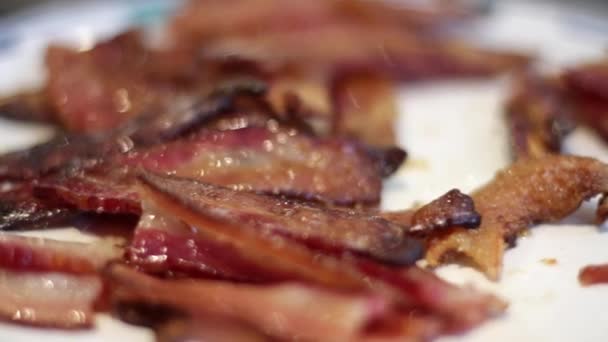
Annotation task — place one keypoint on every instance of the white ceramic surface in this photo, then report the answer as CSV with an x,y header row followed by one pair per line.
x,y
456,139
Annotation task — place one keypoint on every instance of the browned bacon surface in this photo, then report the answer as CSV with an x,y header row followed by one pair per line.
x,y
593,274
270,257
365,107
208,329
330,228
529,192
281,162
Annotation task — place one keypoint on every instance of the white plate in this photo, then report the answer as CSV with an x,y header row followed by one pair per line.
x,y
456,138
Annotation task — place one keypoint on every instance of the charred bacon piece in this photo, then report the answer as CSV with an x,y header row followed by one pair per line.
x,y
20,209
587,88
330,228
529,192
306,312
19,253
48,299
538,115
216,248
593,274
451,209
365,107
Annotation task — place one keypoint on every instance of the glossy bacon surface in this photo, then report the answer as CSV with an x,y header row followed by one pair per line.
x,y
29,254
20,209
281,162
184,249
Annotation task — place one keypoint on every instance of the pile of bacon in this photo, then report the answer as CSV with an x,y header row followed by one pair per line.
x,y
239,169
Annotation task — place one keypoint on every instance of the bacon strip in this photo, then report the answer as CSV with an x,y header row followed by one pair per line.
x,y
252,158
281,163
330,228
593,274
19,253
215,248
529,192
48,299
290,310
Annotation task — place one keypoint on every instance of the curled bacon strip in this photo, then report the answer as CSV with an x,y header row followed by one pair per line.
x,y
304,312
529,192
220,248
252,158
329,228
587,88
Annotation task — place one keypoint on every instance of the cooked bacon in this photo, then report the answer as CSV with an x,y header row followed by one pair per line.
x,y
401,55
282,162
27,106
19,253
529,192
219,249
587,88
268,160
365,108
329,228
290,310
593,274
48,299
451,209
61,152
91,193
538,115
20,209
